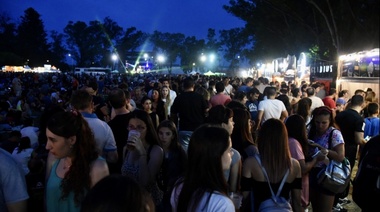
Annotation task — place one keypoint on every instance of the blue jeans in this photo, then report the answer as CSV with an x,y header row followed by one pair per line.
x,y
184,138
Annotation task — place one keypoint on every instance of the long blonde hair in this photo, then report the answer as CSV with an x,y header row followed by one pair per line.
x,y
273,146
167,101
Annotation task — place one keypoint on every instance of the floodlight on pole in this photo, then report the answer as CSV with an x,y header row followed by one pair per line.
x,y
203,58
114,59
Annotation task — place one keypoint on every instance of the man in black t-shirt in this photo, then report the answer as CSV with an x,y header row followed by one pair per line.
x,y
189,108
119,125
351,124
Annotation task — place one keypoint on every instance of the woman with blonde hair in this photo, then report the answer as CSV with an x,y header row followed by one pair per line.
x,y
274,154
165,96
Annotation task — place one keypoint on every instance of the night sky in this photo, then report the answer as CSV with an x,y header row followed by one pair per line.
x,y
190,17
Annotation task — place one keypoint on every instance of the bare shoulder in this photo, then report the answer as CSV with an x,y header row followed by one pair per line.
x,y
99,170
296,167
251,163
99,164
156,149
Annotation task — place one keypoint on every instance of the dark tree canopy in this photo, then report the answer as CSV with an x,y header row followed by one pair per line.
x,y
273,28
32,45
282,27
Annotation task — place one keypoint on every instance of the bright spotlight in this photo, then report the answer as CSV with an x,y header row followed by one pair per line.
x,y
212,58
160,58
203,58
114,57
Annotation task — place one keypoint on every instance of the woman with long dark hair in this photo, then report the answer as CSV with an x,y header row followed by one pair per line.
x,y
143,155
241,136
321,126
223,116
299,149
175,160
203,187
158,105
303,109
73,164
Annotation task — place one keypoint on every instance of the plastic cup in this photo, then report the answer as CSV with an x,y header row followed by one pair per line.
x,y
131,134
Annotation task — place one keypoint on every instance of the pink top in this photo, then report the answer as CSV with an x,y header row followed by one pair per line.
x,y
297,153
220,99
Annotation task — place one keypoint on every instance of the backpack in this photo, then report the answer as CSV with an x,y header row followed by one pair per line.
x,y
366,185
276,203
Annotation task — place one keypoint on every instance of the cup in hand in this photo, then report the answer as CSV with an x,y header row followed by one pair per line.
x,y
132,138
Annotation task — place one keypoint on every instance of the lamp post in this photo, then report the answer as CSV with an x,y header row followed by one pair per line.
x,y
160,60
203,59
146,61
114,59
72,62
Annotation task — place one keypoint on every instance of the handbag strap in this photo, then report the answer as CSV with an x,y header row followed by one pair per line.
x,y
330,138
266,176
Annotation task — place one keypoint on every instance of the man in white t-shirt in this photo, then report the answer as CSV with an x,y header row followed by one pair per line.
x,y
14,194
271,108
315,100
228,89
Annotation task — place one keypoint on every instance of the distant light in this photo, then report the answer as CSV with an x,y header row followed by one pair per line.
x,y
203,58
114,57
161,58
212,57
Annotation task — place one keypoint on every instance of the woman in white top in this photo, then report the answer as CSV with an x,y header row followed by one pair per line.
x,y
165,96
23,153
203,187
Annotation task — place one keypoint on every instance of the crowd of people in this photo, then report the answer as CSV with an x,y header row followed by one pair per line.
x,y
174,143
